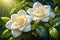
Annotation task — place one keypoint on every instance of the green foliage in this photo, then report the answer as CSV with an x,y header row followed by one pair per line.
x,y
51,20
24,36
56,9
6,33
41,31
53,32
1,21
56,1
5,19
56,21
17,7
35,24
47,25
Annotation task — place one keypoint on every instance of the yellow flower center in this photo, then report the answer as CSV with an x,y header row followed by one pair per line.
x,y
40,12
20,21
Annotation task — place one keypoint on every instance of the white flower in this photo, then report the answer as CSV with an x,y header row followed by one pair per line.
x,y
41,12
19,23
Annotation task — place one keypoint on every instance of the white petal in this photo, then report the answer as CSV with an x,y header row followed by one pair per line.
x,y
36,5
52,14
8,24
14,27
27,28
30,11
35,18
45,19
48,7
16,33
29,19
21,12
22,28
13,16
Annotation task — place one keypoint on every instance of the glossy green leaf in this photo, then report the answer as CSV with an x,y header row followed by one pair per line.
x,y
56,21
51,20
11,38
56,9
41,31
6,33
5,19
53,32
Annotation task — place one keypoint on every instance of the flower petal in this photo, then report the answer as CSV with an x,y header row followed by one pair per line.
x,y
8,24
22,28
27,28
52,14
30,11
48,7
13,16
35,18
45,19
29,19
36,5
13,26
16,33
21,12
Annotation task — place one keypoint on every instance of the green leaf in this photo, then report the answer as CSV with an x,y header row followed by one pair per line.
x,y
18,38
56,1
6,33
57,12
30,3
56,9
34,33
36,23
11,38
56,20
53,32
51,20
1,21
41,31
17,7
13,10
5,19
47,25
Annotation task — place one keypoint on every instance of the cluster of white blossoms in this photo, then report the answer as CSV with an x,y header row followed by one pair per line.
x,y
21,22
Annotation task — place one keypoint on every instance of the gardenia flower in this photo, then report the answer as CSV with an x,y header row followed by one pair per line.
x,y
19,23
41,12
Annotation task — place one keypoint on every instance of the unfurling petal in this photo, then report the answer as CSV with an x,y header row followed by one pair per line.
x,y
48,7
36,5
52,14
29,19
21,12
45,19
8,24
30,11
13,16
22,28
28,28
16,33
